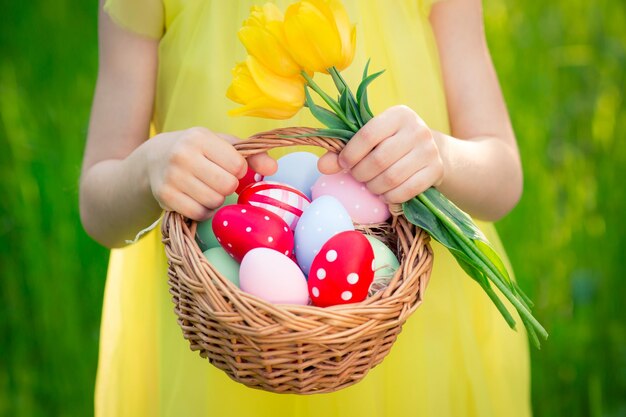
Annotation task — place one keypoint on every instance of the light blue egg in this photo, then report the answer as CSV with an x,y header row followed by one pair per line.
x,y
298,169
323,219
204,233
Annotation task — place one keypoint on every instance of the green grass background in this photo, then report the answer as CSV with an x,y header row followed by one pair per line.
x,y
562,66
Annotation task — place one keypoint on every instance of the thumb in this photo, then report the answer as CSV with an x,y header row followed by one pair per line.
x,y
263,164
328,164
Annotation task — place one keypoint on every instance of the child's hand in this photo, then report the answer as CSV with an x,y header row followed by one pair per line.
x,y
395,154
191,171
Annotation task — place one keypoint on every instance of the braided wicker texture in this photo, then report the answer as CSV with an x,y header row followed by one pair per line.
x,y
288,348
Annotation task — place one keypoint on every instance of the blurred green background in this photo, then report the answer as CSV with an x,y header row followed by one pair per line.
x,y
562,66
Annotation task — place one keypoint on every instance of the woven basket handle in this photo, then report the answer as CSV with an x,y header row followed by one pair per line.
x,y
278,138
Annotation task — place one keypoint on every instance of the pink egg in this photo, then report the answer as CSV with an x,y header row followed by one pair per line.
x,y
273,277
281,199
363,206
240,228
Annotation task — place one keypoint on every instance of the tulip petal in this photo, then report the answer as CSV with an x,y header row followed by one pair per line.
x,y
319,34
263,36
336,13
266,108
272,13
243,89
288,90
348,51
261,43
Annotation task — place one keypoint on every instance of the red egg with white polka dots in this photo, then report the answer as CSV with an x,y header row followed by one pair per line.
x,y
251,177
240,228
342,271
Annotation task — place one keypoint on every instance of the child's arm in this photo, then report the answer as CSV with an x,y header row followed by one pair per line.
x,y
126,181
479,168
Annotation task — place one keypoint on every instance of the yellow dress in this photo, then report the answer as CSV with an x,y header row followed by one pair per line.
x,y
455,356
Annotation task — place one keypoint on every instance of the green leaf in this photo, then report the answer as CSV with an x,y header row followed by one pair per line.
x,y
344,102
469,229
529,303
342,134
354,109
476,272
485,247
462,219
361,95
325,116
532,334
339,82
366,112
367,66
417,213
365,83
459,237
351,106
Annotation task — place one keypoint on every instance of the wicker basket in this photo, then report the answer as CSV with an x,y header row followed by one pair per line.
x,y
288,348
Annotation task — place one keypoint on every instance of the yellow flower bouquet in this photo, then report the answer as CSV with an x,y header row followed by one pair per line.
x,y
316,36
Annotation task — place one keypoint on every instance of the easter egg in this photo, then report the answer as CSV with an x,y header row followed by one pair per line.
x,y
342,271
223,263
364,206
250,178
297,169
281,199
273,277
240,228
385,263
323,219
204,232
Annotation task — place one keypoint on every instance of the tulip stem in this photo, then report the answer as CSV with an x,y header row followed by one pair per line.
x,y
331,103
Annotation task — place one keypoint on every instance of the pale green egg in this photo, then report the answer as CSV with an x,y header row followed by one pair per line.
x,y
385,262
204,233
223,263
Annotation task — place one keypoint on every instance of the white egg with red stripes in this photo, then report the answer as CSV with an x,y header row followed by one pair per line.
x,y
281,199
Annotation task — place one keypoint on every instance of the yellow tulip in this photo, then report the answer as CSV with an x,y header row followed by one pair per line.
x,y
264,38
319,34
264,93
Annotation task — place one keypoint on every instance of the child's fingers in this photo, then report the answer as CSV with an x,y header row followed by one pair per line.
x,y
213,175
414,185
328,164
385,155
220,151
396,174
181,203
202,193
369,136
263,164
